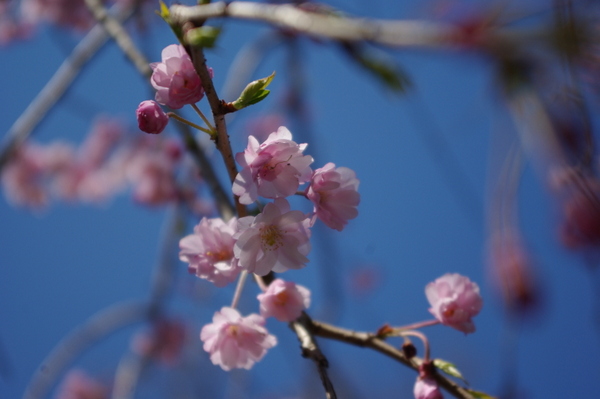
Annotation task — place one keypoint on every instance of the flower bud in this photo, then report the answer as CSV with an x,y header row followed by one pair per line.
x,y
151,118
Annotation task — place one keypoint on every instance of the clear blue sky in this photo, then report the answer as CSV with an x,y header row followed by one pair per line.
x,y
416,222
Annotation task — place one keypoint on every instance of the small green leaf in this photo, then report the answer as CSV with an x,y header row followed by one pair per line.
x,y
254,92
204,36
449,369
164,11
480,395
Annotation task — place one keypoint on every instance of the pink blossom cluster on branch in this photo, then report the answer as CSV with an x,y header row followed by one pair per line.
x,y
106,163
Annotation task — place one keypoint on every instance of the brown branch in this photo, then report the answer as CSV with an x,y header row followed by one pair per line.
x,y
218,110
123,40
370,340
310,349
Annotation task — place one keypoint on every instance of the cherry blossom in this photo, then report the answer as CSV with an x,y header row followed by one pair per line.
x,y
454,299
151,117
164,342
284,300
272,169
209,251
175,79
334,193
277,239
234,341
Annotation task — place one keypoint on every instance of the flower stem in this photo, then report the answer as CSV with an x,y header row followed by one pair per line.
x,y
414,326
183,120
239,288
204,118
423,338
261,283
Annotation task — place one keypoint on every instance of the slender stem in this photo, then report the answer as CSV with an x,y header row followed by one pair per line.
x,y
203,117
423,338
261,283
216,105
415,326
239,288
192,124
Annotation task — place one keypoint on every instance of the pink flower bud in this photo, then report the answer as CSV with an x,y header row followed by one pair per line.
x,y
427,388
454,300
151,118
284,300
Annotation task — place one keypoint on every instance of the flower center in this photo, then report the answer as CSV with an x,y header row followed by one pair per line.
x,y
219,256
271,237
233,330
281,298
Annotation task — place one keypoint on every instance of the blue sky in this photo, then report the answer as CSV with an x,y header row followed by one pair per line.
x,y
423,158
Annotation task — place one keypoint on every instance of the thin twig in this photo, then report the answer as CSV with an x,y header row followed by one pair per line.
x,y
97,327
57,85
216,106
123,40
393,33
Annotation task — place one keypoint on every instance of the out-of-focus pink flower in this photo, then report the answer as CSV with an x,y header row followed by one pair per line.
x,y
262,126
175,79
334,192
454,300
427,388
151,117
511,270
78,385
164,342
284,300
581,210
277,239
100,142
272,169
23,177
69,13
151,171
234,341
209,251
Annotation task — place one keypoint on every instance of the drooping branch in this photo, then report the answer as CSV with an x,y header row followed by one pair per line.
x,y
123,40
392,33
57,85
73,345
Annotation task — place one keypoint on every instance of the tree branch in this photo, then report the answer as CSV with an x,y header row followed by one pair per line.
x,y
370,340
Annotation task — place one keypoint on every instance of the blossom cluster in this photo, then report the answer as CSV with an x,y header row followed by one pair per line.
x,y
107,162
275,240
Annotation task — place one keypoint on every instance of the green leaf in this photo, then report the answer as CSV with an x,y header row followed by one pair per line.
x,y
254,92
449,369
204,36
479,394
164,11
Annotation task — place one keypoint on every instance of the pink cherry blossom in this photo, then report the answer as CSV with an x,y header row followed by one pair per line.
x,y
78,385
24,176
151,117
454,299
234,341
164,342
284,300
277,239
209,251
175,79
272,169
427,388
334,192
69,13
